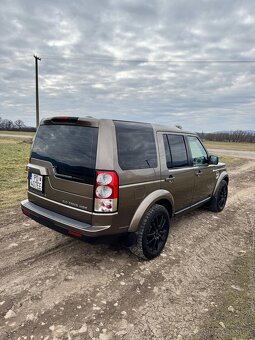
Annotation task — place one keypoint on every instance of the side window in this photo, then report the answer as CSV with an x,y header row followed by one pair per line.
x,y
198,153
178,150
167,152
136,146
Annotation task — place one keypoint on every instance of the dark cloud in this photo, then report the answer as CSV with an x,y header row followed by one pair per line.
x,y
78,76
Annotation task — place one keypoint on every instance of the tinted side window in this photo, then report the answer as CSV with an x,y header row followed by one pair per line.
x,y
199,155
136,146
178,150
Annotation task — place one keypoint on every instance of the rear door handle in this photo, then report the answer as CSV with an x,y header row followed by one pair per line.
x,y
199,173
170,178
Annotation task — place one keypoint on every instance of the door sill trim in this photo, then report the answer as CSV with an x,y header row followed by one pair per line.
x,y
193,206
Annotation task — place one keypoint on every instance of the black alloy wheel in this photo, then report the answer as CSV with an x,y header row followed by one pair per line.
x,y
152,235
222,196
157,233
219,199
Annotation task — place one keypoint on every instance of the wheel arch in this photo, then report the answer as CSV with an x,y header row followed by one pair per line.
x,y
167,204
161,197
223,176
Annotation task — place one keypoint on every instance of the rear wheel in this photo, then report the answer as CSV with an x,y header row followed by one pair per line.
x,y
219,200
152,234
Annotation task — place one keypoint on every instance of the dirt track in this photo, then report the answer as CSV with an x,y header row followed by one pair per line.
x,y
15,136
233,153
55,287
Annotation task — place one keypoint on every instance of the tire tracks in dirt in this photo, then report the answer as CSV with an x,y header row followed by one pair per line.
x,y
64,282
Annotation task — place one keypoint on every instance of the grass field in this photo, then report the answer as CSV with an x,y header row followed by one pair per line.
x,y
4,132
230,146
13,159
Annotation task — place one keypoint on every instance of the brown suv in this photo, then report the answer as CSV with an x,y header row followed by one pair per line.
x,y
89,178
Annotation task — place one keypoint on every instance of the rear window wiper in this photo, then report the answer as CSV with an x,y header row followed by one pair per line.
x,y
146,160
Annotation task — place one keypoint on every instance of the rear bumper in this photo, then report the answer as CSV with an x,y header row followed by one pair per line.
x,y
60,223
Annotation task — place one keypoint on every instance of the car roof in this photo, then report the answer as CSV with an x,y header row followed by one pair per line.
x,y
156,127
166,128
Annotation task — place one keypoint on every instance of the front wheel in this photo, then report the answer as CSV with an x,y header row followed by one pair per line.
x,y
219,199
152,234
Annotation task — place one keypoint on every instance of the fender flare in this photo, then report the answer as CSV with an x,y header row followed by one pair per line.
x,y
146,204
222,176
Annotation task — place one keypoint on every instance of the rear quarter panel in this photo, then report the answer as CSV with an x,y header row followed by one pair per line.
x,y
134,185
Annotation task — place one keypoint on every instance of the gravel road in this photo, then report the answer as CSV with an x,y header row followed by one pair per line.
x,y
55,287
233,153
15,136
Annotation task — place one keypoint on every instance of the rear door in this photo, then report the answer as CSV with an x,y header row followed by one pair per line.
x,y
204,174
177,175
67,152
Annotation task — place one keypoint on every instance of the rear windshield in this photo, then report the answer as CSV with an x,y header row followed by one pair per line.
x,y
136,146
70,149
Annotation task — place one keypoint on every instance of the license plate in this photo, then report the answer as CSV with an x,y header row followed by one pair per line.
x,y
36,181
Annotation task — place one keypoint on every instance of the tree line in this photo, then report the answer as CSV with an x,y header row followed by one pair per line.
x,y
17,125
238,136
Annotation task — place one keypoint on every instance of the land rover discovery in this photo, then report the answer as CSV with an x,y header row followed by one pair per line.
x,y
91,178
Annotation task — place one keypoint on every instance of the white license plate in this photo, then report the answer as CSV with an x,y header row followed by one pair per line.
x,y
36,181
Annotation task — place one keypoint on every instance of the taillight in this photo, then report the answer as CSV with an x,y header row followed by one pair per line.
x,y
106,191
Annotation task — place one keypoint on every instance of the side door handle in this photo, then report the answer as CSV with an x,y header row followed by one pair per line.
x,y
199,173
170,178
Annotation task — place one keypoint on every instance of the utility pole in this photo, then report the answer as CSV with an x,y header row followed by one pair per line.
x,y
36,90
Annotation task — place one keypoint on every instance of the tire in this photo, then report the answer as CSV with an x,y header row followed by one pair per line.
x,y
152,234
219,200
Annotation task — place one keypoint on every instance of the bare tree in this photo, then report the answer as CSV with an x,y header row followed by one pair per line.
x,y
238,136
7,124
19,124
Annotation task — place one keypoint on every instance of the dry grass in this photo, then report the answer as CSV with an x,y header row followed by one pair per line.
x,y
230,146
14,156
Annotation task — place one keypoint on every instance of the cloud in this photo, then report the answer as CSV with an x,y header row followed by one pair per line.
x,y
79,43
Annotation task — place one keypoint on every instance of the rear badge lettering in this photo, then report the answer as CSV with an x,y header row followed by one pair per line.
x,y
75,205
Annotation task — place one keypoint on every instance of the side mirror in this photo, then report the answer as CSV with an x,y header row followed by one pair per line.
x,y
213,159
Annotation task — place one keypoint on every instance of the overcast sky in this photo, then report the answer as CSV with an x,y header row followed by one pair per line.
x,y
86,48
